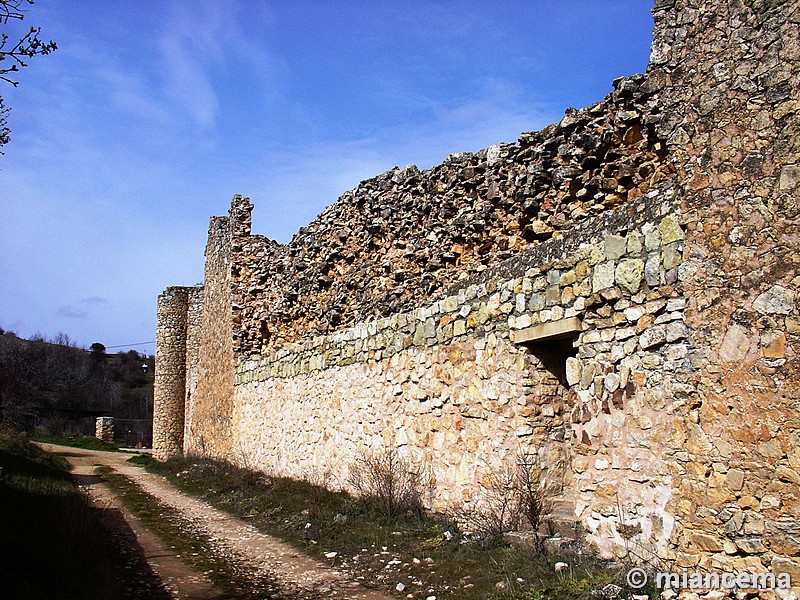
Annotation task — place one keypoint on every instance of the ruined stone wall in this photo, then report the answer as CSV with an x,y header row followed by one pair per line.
x,y
212,402
408,234
169,393
467,384
617,294
730,75
104,429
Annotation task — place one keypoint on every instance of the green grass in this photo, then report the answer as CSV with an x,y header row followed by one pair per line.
x,y
447,564
193,546
73,441
143,460
53,545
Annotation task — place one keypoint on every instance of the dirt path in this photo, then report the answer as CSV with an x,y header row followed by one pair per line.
x,y
176,578
250,547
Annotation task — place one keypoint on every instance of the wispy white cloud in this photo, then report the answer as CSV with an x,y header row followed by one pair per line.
x,y
193,52
185,79
129,93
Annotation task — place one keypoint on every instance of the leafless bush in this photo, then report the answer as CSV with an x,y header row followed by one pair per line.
x,y
536,496
497,512
321,483
388,482
251,475
323,480
515,494
197,449
243,457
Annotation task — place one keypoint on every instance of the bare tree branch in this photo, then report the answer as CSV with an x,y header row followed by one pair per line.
x,y
15,58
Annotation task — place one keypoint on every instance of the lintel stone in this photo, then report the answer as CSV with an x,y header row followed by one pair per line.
x,y
547,331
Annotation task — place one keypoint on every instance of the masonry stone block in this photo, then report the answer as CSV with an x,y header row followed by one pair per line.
x,y
603,276
615,247
628,274
777,300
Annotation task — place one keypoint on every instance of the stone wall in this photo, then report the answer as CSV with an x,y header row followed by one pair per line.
x,y
104,429
470,382
616,294
194,338
731,82
213,397
364,255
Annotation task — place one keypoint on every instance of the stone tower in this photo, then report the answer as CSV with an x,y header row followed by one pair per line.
x,y
170,382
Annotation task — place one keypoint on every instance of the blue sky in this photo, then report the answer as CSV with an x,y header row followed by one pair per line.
x,y
152,114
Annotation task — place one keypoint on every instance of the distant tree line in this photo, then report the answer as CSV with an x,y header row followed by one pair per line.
x,y
53,384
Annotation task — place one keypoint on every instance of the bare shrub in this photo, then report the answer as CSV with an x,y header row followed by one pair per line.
x,y
388,482
323,480
321,484
497,512
536,496
251,474
197,449
516,494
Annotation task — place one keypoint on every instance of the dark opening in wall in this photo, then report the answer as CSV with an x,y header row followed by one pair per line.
x,y
552,343
553,354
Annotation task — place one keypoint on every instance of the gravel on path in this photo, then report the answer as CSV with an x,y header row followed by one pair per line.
x,y
264,554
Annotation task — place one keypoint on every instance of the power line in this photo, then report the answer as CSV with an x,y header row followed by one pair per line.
x,y
126,345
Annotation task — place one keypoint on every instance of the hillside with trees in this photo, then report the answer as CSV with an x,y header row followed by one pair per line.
x,y
56,387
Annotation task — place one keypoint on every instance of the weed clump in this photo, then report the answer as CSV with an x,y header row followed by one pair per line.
x,y
73,441
143,460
